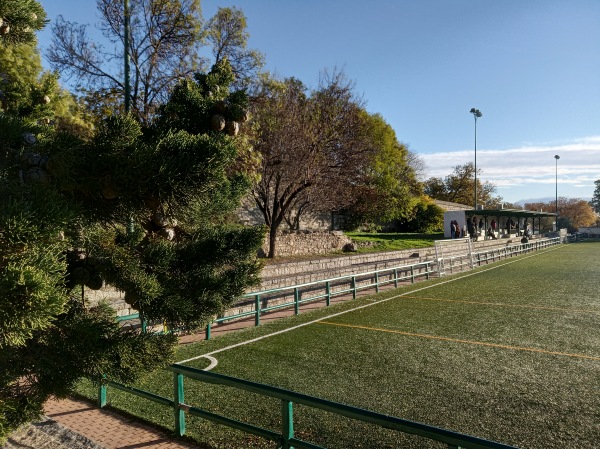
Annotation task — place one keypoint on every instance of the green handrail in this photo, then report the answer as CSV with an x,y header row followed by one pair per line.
x,y
425,268
285,437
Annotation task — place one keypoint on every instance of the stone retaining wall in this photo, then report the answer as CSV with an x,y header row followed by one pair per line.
x,y
114,297
300,243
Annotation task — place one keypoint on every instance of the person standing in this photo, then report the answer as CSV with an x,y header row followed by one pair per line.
x,y
471,226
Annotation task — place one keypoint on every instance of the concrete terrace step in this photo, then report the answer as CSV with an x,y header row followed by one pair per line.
x,y
281,274
298,272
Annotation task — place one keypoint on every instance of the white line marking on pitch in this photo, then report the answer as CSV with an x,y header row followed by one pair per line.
x,y
254,340
213,362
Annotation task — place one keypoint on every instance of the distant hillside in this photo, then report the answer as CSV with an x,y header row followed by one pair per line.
x,y
548,199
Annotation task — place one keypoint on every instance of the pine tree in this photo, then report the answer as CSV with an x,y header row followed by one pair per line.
x,y
144,208
19,20
29,92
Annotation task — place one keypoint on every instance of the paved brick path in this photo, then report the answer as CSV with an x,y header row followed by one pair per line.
x,y
109,429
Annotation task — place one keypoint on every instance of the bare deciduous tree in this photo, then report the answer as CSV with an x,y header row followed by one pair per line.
x,y
164,39
163,43
313,149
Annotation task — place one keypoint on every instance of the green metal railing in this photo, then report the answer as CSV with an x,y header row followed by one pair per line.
x,y
463,262
329,288
326,289
285,436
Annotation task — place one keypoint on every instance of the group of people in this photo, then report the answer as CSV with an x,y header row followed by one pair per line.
x,y
454,230
474,228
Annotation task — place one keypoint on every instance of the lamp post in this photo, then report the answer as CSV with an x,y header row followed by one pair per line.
x,y
557,157
126,23
476,113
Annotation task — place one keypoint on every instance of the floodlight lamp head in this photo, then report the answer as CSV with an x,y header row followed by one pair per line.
x,y
476,112
557,157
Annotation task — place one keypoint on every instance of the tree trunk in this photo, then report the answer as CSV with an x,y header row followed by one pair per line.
x,y
272,237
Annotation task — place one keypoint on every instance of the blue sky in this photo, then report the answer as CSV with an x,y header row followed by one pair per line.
x,y
531,66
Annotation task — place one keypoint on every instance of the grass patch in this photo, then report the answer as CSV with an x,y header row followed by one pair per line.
x,y
381,358
393,241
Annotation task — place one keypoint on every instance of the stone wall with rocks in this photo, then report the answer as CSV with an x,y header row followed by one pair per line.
x,y
300,243
112,296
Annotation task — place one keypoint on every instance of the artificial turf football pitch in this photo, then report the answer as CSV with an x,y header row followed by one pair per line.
x,y
509,352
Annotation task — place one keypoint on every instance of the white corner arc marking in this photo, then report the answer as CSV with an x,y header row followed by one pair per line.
x,y
213,362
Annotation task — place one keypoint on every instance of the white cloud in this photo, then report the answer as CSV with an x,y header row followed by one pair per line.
x,y
531,166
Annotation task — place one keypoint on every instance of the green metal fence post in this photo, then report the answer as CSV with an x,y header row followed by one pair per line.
x,y
257,307
296,300
353,286
102,394
178,400
208,331
396,277
412,274
287,421
377,282
328,292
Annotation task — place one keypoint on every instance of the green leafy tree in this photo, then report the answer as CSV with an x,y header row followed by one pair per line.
x,y
143,208
596,197
459,187
227,34
426,217
389,190
27,91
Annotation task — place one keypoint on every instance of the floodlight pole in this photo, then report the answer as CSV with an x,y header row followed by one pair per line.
x,y
557,157
126,23
126,54
476,113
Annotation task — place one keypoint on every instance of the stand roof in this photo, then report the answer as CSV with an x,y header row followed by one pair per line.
x,y
517,213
